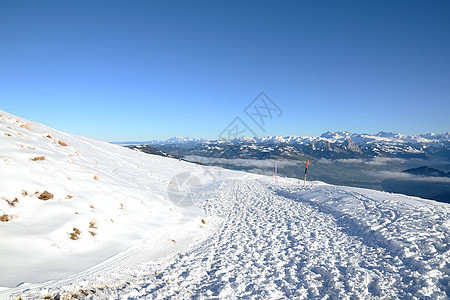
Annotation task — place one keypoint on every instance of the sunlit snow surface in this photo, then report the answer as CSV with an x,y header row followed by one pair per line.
x,y
244,238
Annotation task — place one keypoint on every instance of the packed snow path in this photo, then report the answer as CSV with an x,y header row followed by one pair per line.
x,y
280,242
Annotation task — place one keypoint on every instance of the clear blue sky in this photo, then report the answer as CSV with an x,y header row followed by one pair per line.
x,y
140,70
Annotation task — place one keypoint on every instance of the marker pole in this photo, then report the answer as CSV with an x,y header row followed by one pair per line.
x,y
306,170
276,173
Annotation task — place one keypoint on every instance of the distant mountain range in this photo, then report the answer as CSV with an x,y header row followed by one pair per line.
x,y
329,136
330,145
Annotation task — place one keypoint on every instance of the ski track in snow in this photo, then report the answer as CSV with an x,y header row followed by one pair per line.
x,y
293,242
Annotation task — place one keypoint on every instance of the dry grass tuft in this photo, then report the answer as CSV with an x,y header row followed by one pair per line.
x,y
69,197
38,158
12,203
61,143
75,235
5,218
203,221
45,196
68,296
92,206
92,225
27,126
102,286
24,193
8,134
92,233
49,136
95,177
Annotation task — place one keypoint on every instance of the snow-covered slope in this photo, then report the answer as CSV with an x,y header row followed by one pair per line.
x,y
245,237
100,200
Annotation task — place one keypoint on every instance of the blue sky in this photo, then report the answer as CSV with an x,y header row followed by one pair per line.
x,y
141,70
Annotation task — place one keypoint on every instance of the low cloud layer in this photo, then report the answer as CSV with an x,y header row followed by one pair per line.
x,y
406,176
248,163
376,161
379,161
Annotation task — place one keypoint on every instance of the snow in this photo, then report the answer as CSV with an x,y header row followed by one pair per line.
x,y
244,237
113,195
389,138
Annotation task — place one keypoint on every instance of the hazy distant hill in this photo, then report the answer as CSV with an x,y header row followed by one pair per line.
x,y
426,171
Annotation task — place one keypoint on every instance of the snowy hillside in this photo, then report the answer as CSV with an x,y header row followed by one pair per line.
x,y
108,228
68,203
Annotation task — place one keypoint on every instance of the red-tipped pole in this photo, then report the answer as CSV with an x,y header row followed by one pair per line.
x,y
306,170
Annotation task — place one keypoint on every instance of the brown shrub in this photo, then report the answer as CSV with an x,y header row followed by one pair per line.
x,y
203,221
45,196
5,218
69,197
38,158
92,233
92,225
75,235
7,134
95,177
61,143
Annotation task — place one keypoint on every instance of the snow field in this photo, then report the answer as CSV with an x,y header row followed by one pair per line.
x,y
279,242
